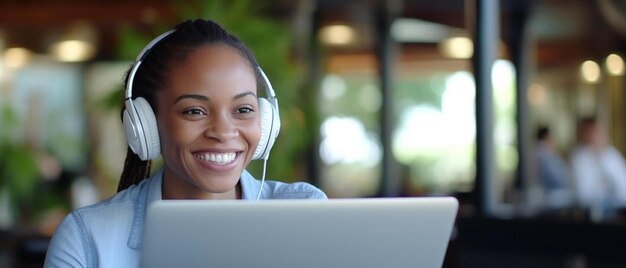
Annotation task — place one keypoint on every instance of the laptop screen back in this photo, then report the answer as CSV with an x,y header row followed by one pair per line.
x,y
374,232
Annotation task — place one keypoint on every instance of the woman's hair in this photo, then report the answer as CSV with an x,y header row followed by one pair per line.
x,y
155,68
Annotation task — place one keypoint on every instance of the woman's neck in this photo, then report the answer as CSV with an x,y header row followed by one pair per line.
x,y
173,188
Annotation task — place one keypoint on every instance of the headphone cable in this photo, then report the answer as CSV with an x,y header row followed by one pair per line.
x,y
258,197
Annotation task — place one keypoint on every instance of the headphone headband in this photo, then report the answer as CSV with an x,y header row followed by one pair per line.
x,y
269,90
140,57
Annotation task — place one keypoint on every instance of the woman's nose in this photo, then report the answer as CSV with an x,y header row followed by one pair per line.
x,y
221,128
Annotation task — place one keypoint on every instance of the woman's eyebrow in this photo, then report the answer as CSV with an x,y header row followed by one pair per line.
x,y
192,96
241,95
205,98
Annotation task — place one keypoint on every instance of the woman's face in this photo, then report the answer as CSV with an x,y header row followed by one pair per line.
x,y
208,121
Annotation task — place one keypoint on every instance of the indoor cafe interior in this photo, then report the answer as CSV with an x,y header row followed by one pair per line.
x,y
487,101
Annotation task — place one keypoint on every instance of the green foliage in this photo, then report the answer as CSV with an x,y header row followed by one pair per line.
x,y
18,168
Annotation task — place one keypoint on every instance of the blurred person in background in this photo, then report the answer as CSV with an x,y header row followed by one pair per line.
x,y
552,171
191,98
599,172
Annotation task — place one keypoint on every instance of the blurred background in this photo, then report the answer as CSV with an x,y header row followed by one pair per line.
x,y
478,99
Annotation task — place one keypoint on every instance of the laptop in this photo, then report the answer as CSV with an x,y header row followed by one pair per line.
x,y
368,232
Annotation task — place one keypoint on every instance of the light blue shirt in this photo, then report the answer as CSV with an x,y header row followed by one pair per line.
x,y
109,233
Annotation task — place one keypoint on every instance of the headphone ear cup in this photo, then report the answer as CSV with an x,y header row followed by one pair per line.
x,y
270,126
142,134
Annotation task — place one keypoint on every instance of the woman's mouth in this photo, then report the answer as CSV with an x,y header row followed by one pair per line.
x,y
217,158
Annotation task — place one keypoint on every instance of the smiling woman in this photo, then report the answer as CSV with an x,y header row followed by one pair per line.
x,y
191,98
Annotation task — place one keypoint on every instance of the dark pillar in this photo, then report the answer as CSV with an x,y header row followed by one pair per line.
x,y
390,180
519,42
485,53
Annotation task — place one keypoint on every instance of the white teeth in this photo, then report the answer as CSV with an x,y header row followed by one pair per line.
x,y
224,158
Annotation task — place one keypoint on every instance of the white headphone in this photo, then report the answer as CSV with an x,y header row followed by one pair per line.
x,y
140,125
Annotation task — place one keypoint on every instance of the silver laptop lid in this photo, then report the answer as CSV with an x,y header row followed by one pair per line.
x,y
376,232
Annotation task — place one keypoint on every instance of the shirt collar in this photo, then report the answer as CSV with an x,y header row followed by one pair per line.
x,y
249,186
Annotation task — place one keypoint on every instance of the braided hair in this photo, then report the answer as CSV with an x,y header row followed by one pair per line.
x,y
173,49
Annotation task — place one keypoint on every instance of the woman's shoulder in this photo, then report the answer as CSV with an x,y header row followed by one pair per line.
x,y
295,190
87,228
102,225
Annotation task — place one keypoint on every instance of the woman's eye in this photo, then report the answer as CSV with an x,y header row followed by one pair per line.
x,y
244,110
193,112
